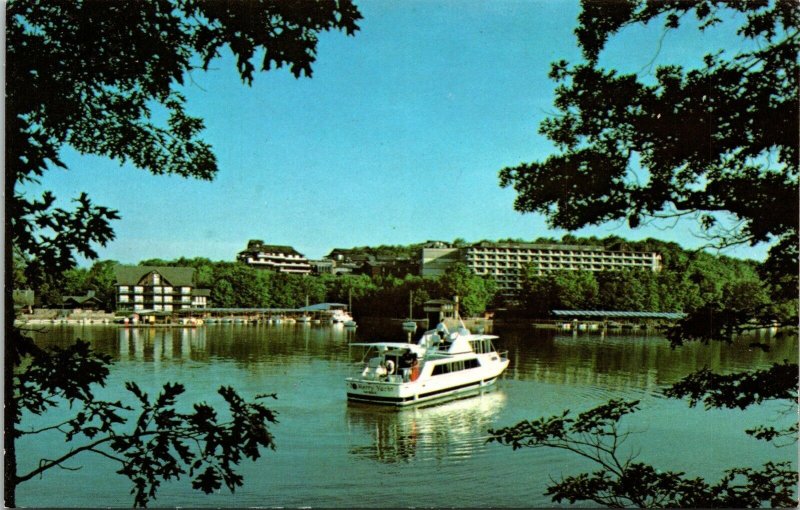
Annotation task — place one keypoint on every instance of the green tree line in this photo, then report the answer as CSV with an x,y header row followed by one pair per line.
x,y
688,281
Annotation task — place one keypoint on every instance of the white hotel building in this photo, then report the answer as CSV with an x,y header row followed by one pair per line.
x,y
506,262
281,259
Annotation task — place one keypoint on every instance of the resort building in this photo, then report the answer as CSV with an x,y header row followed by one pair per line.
x,y
154,288
506,263
200,298
281,259
375,262
87,302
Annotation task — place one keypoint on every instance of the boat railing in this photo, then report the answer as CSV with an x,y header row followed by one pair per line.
x,y
503,354
379,374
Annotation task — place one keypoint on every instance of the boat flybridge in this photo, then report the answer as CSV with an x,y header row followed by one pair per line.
x,y
442,364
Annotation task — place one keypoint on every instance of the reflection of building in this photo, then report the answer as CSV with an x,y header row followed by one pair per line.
x,y
282,259
167,289
506,263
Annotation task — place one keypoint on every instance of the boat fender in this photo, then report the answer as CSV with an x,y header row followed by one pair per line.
x,y
389,367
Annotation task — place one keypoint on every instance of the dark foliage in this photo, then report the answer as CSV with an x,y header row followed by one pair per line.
x,y
99,77
163,443
622,482
719,138
711,142
90,73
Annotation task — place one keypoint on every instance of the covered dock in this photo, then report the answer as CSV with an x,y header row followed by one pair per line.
x,y
612,319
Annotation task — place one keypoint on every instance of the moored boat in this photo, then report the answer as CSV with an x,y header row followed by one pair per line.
x,y
442,364
340,317
410,324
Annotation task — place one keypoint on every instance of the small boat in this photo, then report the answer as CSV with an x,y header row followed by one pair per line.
x,y
304,319
442,364
349,323
340,316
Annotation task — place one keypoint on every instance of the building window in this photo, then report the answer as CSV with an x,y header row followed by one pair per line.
x,y
138,289
123,288
167,290
124,299
186,290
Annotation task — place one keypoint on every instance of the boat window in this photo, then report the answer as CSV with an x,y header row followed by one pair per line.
x,y
455,366
472,363
482,346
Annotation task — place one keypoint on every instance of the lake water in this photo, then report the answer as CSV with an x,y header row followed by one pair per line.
x,y
334,454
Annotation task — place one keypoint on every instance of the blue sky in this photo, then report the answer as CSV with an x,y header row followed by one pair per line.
x,y
398,138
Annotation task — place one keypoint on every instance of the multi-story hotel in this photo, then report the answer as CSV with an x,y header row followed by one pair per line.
x,y
506,263
283,259
153,288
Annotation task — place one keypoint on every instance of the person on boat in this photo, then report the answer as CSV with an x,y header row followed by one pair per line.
x,y
381,370
414,369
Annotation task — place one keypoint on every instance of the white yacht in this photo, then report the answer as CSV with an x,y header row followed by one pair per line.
x,y
442,364
341,316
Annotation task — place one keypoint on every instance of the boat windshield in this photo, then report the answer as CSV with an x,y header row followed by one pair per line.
x,y
482,345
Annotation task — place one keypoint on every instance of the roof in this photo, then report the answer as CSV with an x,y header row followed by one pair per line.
x,y
80,299
176,276
536,246
255,246
201,292
439,302
320,307
619,314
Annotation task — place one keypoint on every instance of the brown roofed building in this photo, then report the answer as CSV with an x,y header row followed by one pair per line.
x,y
282,259
88,302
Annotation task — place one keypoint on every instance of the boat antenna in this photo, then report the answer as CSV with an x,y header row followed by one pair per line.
x,y
458,315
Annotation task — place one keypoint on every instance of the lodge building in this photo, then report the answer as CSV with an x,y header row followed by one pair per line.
x,y
155,288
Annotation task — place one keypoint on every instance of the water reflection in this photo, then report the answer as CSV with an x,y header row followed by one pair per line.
x,y
160,344
455,429
618,361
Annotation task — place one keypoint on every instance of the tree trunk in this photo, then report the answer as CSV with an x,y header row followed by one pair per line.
x,y
9,355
